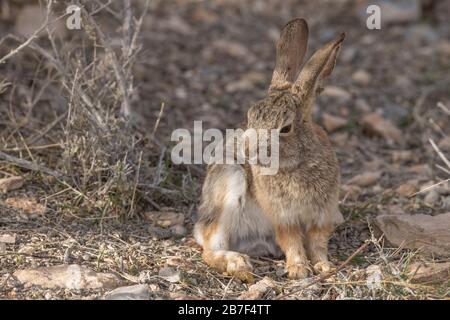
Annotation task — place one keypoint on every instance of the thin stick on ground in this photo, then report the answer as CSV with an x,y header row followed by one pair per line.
x,y
429,188
329,274
444,108
439,152
161,111
30,165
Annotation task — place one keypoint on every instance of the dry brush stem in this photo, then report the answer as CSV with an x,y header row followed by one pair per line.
x,y
102,160
30,165
33,36
129,48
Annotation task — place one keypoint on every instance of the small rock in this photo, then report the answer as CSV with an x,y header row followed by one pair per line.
x,y
443,189
255,77
7,238
365,179
337,93
233,49
429,272
421,34
443,47
11,183
374,277
165,219
432,198
27,249
377,125
181,93
350,192
240,85
333,123
179,295
341,139
204,15
176,24
395,209
444,144
258,290
420,169
402,82
137,292
2,247
160,233
280,271
446,203
362,105
361,77
174,261
407,189
396,113
170,274
67,277
401,155
377,189
348,55
179,231
26,205
418,231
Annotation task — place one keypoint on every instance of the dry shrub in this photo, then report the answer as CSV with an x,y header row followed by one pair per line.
x,y
107,165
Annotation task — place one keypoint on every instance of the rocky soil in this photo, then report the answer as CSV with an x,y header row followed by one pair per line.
x,y
92,208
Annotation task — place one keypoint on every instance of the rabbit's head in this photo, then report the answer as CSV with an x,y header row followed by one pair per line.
x,y
287,106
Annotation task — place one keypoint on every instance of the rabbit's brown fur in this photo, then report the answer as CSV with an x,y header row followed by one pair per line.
x,y
293,212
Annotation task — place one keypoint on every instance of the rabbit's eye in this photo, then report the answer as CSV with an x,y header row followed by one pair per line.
x,y
286,129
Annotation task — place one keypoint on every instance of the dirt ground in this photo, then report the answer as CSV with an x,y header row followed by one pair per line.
x,y
98,184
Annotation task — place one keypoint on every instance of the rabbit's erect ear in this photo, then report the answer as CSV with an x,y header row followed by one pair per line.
x,y
319,66
291,49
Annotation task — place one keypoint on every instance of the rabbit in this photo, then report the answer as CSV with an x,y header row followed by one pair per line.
x,y
243,213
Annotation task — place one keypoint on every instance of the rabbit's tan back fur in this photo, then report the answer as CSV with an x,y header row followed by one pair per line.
x,y
243,212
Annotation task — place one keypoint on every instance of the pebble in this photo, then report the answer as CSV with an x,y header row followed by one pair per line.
x,y
137,292
446,203
432,198
66,276
337,93
361,77
11,183
333,123
170,274
179,231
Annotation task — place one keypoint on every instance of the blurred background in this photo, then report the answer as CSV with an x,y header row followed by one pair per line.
x,y
86,117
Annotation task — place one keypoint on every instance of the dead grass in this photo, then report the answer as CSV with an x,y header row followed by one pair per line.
x,y
68,126
99,160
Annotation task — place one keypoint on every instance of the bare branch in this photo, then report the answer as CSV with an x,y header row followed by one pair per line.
x,y
33,36
30,165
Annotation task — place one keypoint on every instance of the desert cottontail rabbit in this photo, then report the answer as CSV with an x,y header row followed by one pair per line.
x,y
245,213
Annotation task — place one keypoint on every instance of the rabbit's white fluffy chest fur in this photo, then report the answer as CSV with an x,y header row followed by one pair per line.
x,y
250,230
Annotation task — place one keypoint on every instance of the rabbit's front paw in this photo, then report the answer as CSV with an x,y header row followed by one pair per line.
x,y
322,267
297,271
239,266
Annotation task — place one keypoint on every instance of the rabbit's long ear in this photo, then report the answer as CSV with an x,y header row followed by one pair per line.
x,y
319,66
291,49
